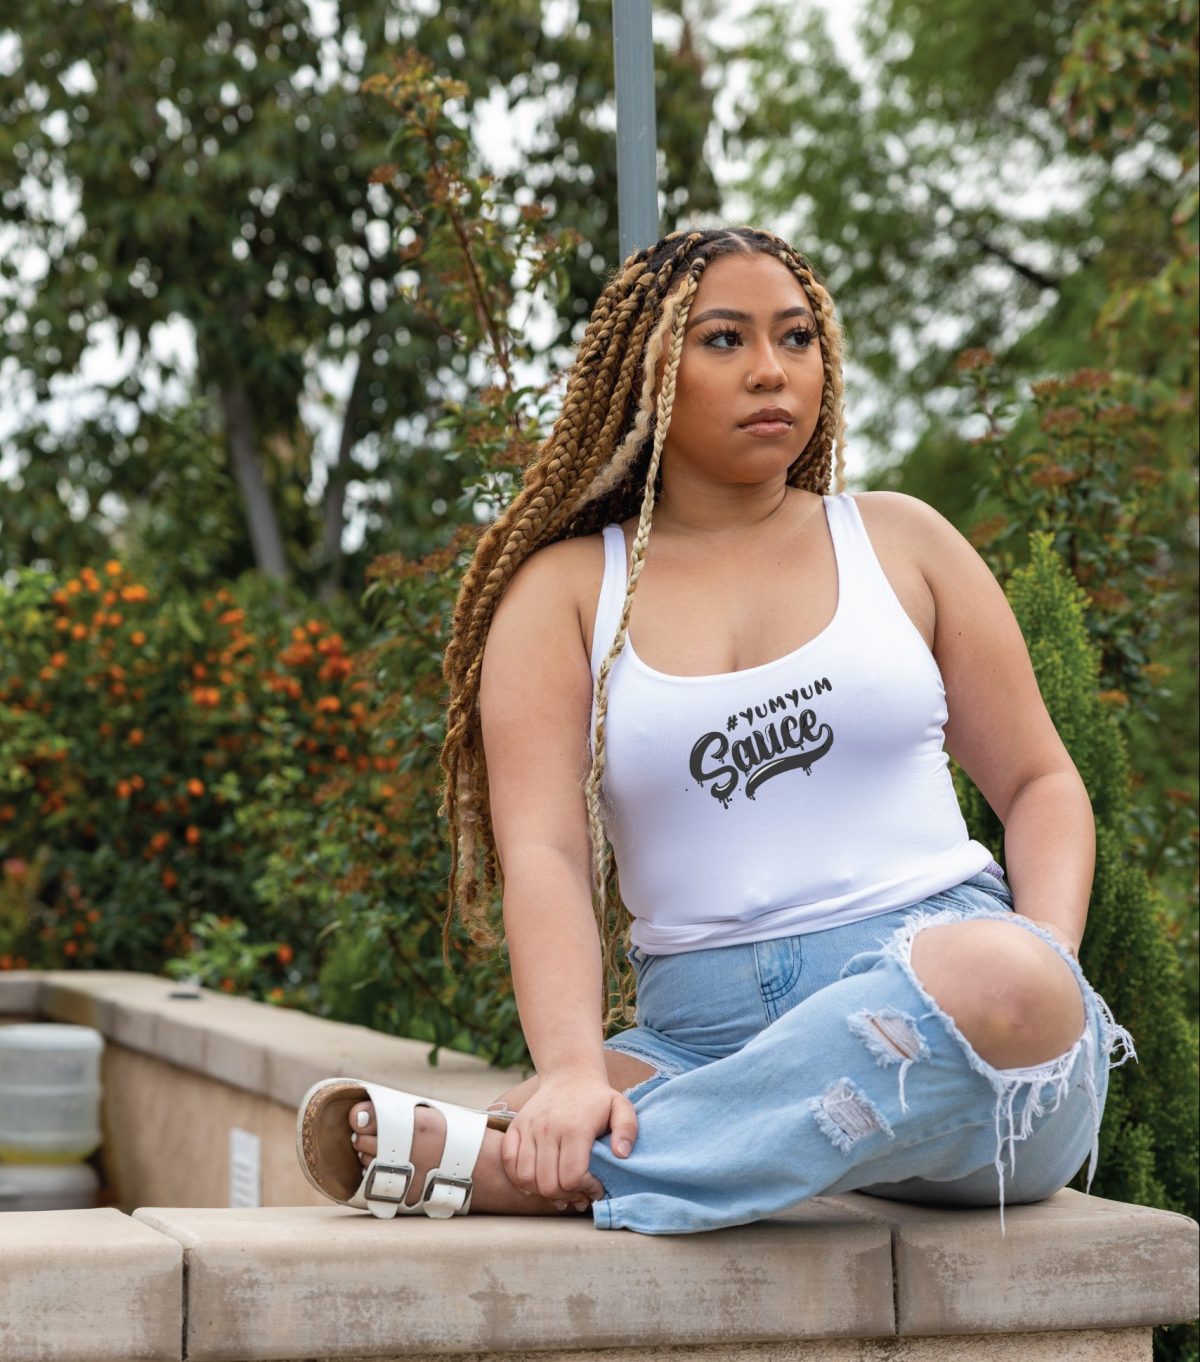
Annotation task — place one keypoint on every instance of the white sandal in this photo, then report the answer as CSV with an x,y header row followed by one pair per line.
x,y
330,1161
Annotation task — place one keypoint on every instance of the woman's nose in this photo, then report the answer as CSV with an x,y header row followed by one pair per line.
x,y
764,369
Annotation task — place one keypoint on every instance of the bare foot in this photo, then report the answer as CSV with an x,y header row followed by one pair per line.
x,y
492,1191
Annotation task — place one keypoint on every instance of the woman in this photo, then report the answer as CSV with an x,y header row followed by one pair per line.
x,y
752,702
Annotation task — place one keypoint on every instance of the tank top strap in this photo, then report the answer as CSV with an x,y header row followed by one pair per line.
x,y
860,576
612,596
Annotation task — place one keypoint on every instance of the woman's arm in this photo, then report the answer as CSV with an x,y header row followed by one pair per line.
x,y
999,730
535,705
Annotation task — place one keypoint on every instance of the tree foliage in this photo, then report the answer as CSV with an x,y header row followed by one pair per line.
x,y
220,158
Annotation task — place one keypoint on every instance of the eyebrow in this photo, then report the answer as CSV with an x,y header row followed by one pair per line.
x,y
731,314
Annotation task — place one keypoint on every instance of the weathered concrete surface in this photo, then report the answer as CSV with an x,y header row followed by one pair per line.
x,y
151,1107
20,994
88,1286
293,1282
1070,1262
1121,1345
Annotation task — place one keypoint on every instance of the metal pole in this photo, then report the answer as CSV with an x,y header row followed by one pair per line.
x,y
637,136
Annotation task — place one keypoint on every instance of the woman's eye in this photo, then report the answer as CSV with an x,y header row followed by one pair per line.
x,y
803,336
714,336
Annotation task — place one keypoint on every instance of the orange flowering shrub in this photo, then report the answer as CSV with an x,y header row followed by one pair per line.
x,y
135,731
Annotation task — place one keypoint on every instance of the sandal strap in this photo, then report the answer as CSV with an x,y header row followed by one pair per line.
x,y
389,1175
448,1186
447,1190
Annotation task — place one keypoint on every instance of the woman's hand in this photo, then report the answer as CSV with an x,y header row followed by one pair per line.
x,y
547,1148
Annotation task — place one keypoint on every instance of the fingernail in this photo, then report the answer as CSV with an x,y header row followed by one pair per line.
x,y
560,1205
623,1147
353,1139
362,1118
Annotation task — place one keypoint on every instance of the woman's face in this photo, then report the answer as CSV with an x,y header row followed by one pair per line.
x,y
748,387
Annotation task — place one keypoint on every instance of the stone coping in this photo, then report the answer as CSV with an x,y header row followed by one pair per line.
x,y
273,1052
304,1283
88,1286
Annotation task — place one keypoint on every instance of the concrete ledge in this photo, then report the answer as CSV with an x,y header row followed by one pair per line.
x,y
1069,1262
88,1286
270,1051
296,1282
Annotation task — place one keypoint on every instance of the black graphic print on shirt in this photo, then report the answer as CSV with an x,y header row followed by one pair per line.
x,y
790,739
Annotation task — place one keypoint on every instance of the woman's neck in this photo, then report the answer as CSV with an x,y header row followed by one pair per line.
x,y
694,509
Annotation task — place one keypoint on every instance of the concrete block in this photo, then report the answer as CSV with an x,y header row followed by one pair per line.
x,y
334,1283
88,1286
1069,1262
20,993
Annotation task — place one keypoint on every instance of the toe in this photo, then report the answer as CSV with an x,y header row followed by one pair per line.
x,y
362,1118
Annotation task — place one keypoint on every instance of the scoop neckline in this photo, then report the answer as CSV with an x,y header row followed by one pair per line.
x,y
761,666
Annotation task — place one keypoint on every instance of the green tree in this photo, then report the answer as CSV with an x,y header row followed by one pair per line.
x,y
220,157
1149,1137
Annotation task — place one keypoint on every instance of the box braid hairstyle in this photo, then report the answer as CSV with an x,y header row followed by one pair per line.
x,y
598,466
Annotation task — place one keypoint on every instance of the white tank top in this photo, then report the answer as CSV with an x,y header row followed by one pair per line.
x,y
806,793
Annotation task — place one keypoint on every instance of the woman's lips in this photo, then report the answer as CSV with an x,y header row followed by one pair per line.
x,y
768,422
767,429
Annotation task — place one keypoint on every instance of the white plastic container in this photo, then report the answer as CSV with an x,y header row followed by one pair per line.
x,y
57,1187
49,1092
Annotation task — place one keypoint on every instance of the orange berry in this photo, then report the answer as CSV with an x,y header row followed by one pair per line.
x,y
227,985
137,638
110,597
74,587
58,659
136,737
192,835
70,947
62,623
113,568
313,627
124,789
137,782
7,813
79,631
47,674
169,878
285,953
195,787
115,618
199,670
93,914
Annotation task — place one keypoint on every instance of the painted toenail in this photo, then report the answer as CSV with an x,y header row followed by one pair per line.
x,y
362,1118
353,1139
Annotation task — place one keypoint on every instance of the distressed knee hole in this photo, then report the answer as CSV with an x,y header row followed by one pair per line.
x,y
846,1114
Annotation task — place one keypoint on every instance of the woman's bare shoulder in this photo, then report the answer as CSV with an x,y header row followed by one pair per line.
x,y
554,582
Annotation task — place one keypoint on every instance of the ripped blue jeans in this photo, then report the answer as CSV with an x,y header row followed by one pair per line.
x,y
818,1064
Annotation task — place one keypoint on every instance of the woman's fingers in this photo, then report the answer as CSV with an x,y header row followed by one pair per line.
x,y
624,1126
574,1177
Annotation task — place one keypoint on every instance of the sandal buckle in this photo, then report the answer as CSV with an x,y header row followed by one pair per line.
x,y
369,1194
438,1179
